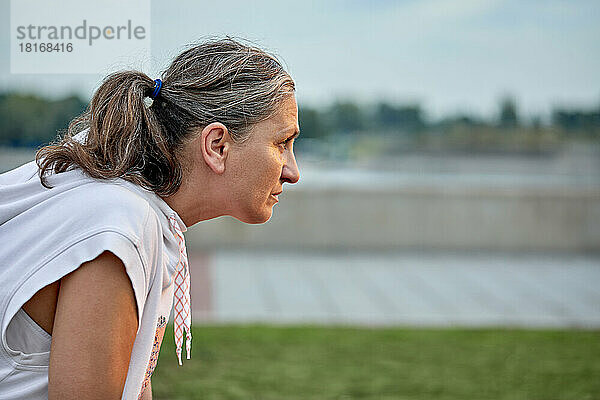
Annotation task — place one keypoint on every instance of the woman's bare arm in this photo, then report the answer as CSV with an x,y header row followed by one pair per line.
x,y
94,329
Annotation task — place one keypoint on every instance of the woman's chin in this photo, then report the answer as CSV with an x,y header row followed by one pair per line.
x,y
256,217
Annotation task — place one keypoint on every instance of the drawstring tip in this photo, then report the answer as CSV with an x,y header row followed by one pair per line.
x,y
188,347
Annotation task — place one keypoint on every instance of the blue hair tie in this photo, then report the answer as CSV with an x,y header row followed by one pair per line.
x,y
157,86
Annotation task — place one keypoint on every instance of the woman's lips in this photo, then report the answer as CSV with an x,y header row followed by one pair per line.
x,y
276,195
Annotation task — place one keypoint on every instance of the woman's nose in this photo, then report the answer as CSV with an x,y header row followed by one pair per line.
x,y
290,172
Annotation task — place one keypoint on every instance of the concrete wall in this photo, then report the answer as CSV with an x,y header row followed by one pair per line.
x,y
434,217
451,212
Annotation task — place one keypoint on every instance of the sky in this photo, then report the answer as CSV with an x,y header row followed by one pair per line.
x,y
459,56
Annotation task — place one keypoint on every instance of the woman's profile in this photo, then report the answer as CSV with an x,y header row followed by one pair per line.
x,y
93,256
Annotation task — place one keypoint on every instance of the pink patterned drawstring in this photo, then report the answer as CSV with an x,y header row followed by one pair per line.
x,y
181,295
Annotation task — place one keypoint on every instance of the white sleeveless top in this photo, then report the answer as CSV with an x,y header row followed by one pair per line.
x,y
25,335
46,234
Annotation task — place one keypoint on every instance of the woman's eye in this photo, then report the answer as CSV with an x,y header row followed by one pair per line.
x,y
285,143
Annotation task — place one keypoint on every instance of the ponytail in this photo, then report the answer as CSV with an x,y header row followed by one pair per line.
x,y
125,138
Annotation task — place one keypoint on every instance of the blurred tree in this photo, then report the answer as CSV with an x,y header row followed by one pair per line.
x,y
408,118
28,120
576,120
312,123
508,117
346,117
461,120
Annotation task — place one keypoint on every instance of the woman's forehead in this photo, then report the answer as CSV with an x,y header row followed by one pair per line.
x,y
283,122
288,114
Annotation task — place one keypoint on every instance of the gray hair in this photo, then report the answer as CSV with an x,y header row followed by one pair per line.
x,y
222,80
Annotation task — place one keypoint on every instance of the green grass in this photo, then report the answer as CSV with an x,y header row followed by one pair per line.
x,y
267,362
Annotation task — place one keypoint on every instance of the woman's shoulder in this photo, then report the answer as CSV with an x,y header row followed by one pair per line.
x,y
77,202
79,207
111,204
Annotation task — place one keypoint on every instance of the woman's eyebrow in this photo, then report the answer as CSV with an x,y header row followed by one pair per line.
x,y
296,131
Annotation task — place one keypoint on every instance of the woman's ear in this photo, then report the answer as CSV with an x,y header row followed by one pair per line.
x,y
215,144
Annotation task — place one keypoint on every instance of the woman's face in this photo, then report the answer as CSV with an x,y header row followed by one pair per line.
x,y
260,166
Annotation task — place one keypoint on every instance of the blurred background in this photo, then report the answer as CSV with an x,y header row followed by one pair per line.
x,y
450,173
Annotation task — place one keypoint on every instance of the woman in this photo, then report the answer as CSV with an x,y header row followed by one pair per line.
x,y
93,256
